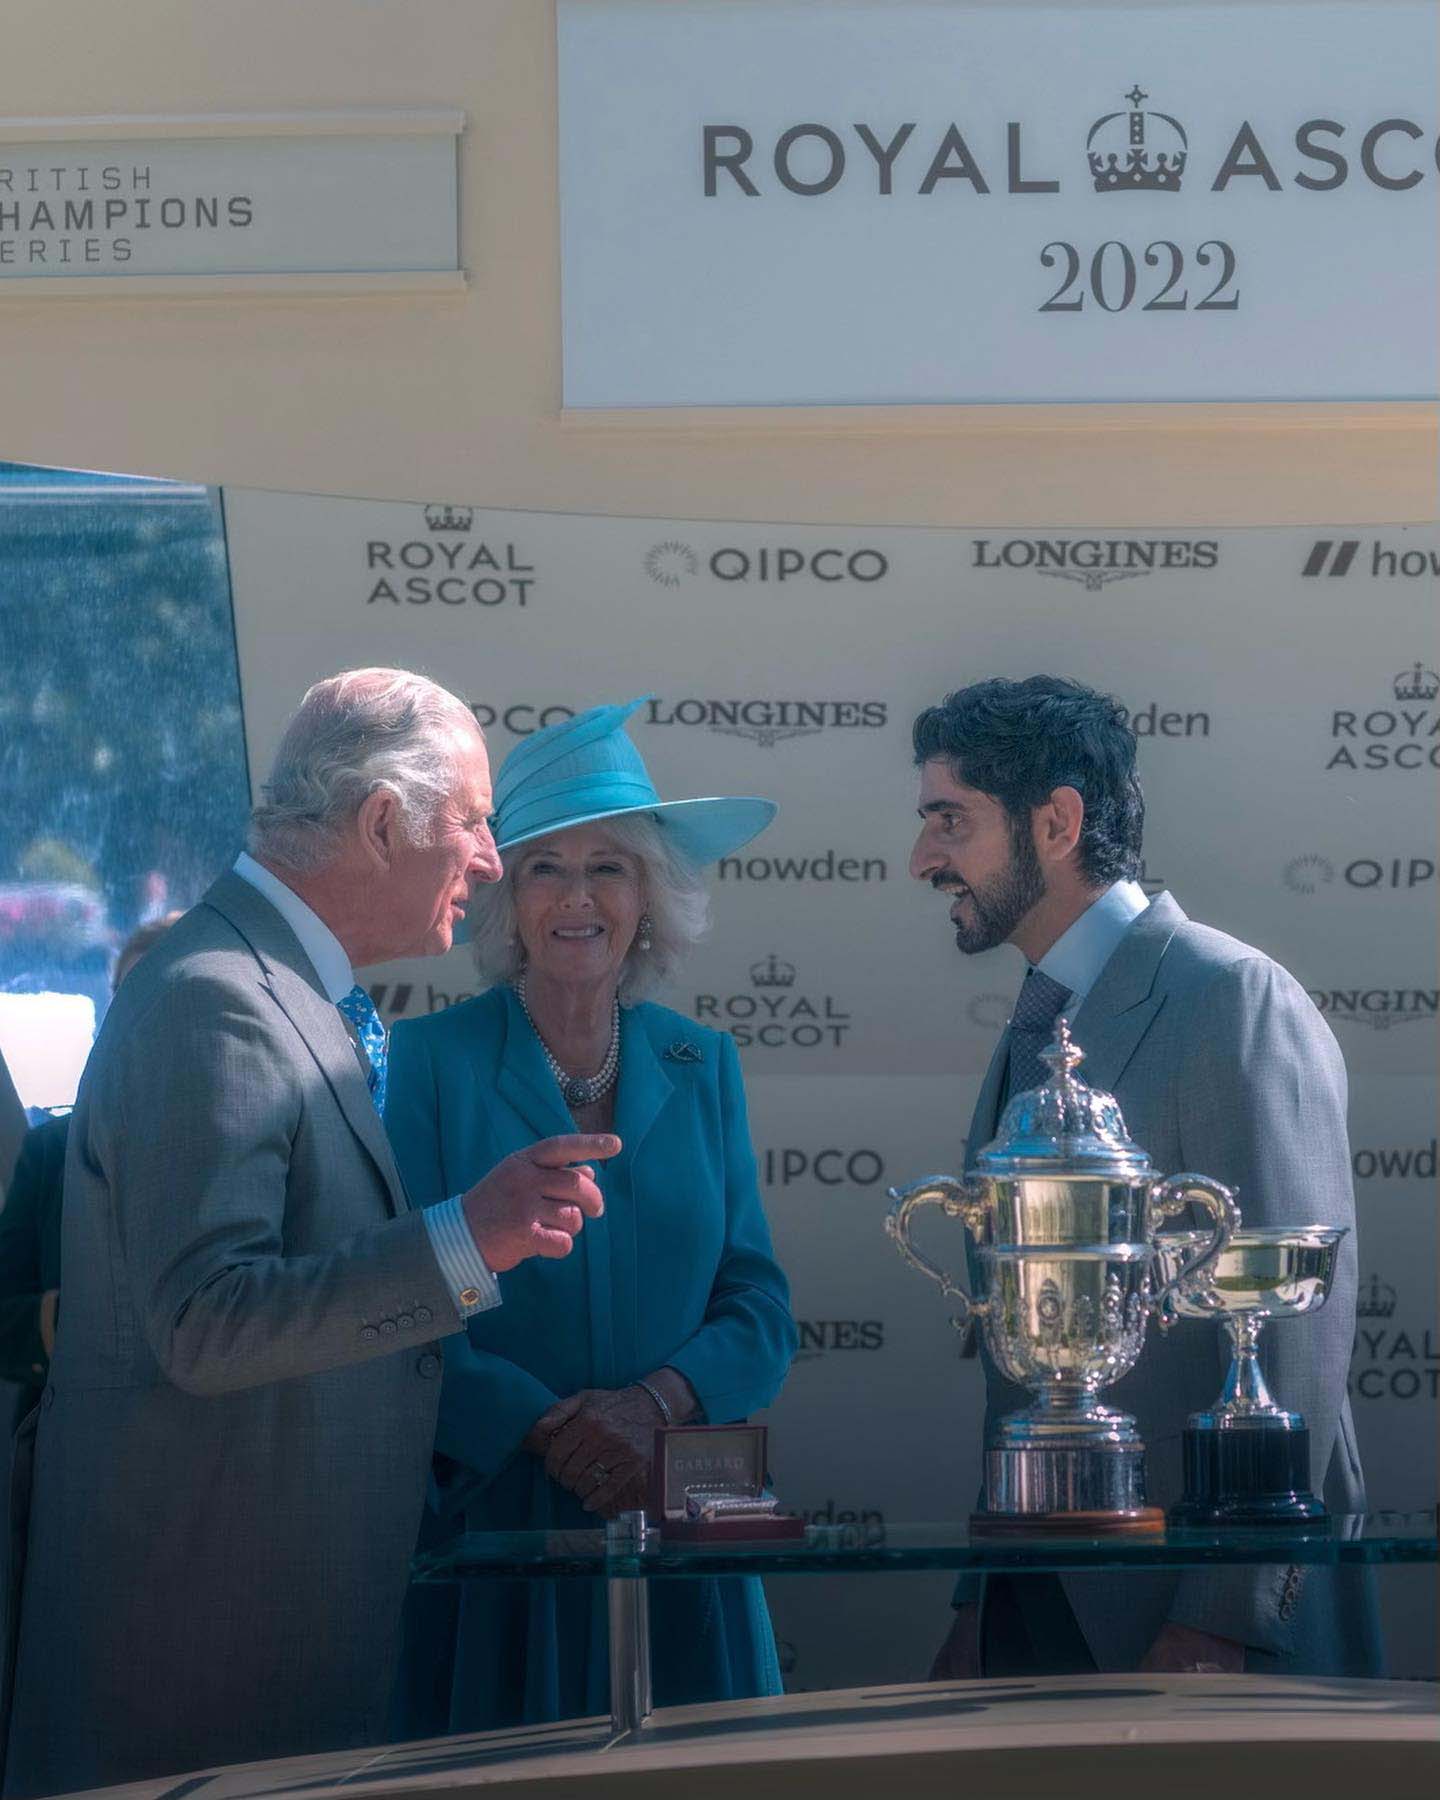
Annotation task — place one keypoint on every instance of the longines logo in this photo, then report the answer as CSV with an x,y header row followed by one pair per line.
x,y
1396,1162
1370,874
1131,151
829,866
1095,562
670,563
1391,1362
830,1168
1404,733
520,717
769,722
819,1336
1377,1008
1335,557
775,1014
447,567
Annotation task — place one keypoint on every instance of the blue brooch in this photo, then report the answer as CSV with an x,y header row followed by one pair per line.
x,y
683,1051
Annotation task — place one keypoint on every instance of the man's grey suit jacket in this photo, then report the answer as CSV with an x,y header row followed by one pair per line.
x,y
1223,1067
234,1441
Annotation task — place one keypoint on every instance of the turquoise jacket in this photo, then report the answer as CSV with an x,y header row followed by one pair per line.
x,y
678,1271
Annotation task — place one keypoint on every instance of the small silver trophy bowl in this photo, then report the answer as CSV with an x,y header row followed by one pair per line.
x,y
1247,1459
1063,1211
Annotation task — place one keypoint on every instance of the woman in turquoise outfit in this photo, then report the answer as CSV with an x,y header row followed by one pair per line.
x,y
671,1306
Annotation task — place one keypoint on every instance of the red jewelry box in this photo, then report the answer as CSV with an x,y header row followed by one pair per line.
x,y
706,1459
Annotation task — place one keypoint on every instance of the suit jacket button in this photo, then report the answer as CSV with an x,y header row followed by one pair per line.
x,y
423,1315
368,1334
428,1365
388,1327
406,1321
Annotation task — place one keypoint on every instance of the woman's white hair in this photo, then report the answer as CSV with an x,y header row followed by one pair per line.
x,y
675,897
353,733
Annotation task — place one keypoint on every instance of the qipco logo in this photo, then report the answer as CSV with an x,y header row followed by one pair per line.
x,y
785,564
519,718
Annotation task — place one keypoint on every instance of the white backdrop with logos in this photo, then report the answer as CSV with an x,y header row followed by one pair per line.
x,y
1283,688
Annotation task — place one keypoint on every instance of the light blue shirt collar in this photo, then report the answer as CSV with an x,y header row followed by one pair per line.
x,y
317,940
1078,955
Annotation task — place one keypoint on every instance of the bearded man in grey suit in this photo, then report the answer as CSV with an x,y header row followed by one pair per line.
x,y
233,1445
1031,824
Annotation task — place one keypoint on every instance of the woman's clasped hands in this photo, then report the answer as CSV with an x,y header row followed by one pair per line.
x,y
599,1444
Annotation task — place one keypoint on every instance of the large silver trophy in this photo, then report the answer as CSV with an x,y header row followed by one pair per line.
x,y
1063,1212
1247,1460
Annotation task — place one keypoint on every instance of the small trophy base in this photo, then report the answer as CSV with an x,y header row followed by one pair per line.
x,y
1145,1521
1247,1475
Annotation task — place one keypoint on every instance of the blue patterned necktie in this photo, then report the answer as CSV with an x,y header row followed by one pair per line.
x,y
359,1009
1038,1005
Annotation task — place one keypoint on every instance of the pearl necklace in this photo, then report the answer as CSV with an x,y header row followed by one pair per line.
x,y
579,1090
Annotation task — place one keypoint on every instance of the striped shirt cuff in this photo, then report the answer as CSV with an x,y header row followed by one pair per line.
x,y
472,1287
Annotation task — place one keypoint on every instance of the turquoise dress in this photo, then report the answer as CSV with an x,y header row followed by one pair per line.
x,y
678,1271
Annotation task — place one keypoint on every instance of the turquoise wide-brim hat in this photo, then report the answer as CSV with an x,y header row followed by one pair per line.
x,y
586,769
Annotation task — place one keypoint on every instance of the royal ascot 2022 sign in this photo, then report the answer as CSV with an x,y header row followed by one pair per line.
x,y
354,200
830,202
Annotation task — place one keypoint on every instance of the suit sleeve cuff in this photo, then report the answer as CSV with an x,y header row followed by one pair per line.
x,y
472,1287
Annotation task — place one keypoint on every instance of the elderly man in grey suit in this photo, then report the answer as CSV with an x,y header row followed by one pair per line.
x,y
233,1445
1031,826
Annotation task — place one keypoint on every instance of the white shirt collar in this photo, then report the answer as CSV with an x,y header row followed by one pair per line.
x,y
1078,955
317,940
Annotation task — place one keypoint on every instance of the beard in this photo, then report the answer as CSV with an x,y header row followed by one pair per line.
x,y
1000,903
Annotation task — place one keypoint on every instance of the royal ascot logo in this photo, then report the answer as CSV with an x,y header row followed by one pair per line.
x,y
768,722
829,1168
1094,562
1391,1361
776,1014
519,717
1334,558
1402,735
1128,151
671,563
1378,1009
828,867
1369,874
1137,152
447,566
818,1337
1396,1162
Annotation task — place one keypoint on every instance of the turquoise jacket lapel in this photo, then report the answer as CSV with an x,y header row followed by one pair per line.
x,y
644,1085
524,1080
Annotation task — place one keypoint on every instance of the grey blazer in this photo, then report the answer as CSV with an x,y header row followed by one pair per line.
x,y
1222,1067
233,1445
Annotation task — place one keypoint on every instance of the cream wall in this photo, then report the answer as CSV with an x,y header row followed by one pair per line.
x,y
459,398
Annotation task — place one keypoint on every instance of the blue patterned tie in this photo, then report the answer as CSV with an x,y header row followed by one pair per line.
x,y
1038,1005
359,1009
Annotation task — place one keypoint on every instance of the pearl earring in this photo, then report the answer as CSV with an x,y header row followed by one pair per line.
x,y
645,927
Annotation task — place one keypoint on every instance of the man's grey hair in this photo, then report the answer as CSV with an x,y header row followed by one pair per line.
x,y
354,733
675,897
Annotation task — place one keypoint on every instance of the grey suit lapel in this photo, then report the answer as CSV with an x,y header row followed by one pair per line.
x,y
986,1115
1117,1012
291,980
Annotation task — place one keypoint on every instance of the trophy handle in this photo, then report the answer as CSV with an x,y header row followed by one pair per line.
x,y
1172,1196
957,1200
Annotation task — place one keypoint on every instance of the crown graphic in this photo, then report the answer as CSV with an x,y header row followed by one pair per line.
x,y
1376,1300
1137,151
772,973
449,518
1418,683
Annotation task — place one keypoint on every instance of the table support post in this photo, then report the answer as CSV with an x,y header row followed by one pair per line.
x,y
628,1599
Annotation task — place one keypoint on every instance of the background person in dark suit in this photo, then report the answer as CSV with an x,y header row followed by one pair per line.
x,y
30,1228
1032,818
234,1441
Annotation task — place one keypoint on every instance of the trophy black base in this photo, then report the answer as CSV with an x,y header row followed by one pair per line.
x,y
1252,1475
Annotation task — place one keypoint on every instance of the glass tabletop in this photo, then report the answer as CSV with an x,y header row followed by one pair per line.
x,y
1386,1537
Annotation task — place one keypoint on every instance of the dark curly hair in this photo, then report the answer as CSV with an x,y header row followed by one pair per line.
x,y
1019,740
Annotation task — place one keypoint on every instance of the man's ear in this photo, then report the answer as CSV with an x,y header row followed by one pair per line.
x,y
379,826
1057,824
